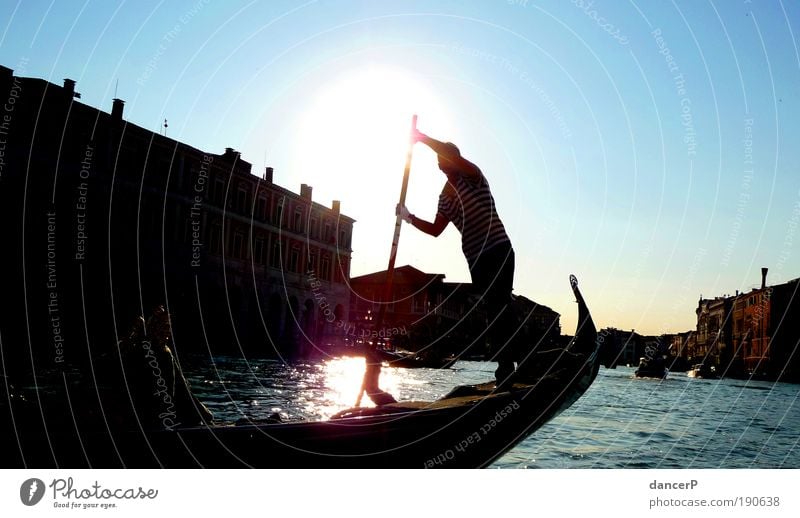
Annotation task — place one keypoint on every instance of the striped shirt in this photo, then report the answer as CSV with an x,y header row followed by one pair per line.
x,y
473,212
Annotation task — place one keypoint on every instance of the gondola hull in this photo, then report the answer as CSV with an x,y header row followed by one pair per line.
x,y
470,427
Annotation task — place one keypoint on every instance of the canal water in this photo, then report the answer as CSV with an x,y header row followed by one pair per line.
x,y
621,421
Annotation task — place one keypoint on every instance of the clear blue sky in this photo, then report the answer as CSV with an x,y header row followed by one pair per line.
x,y
651,148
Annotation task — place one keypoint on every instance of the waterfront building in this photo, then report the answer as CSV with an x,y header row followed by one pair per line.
x,y
441,315
751,334
766,324
712,344
103,220
683,345
621,347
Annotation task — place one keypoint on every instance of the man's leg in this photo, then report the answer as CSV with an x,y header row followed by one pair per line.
x,y
502,331
493,275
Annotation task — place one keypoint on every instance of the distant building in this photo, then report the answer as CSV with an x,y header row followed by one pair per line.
x,y
683,345
712,343
414,295
104,220
753,334
766,331
621,347
437,314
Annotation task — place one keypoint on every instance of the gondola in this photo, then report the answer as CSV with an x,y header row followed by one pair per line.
x,y
470,427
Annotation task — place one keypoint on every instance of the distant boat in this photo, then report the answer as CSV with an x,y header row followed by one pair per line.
x,y
652,368
470,427
412,360
701,370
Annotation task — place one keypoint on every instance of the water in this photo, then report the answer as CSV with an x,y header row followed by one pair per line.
x,y
621,421
680,422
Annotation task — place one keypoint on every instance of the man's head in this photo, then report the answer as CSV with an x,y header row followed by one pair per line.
x,y
446,159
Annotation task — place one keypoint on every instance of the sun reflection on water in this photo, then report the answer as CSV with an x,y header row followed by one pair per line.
x,y
342,381
238,389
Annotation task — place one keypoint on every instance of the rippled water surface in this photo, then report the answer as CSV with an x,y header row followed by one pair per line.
x,y
621,422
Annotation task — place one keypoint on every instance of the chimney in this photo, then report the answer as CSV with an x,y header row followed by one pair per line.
x,y
6,73
116,109
305,192
69,87
336,206
764,277
268,174
231,154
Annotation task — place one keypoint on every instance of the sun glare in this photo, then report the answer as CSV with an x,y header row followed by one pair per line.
x,y
343,378
353,136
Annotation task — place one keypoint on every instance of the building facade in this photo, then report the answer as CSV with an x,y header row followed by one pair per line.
x,y
766,323
712,342
751,334
426,312
106,220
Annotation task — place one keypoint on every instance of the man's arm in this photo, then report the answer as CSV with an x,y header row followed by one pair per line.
x,y
433,229
443,150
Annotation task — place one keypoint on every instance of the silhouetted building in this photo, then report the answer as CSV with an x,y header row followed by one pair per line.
x,y
431,313
621,347
103,220
414,295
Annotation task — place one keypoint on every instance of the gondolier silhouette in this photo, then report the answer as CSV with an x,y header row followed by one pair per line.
x,y
467,202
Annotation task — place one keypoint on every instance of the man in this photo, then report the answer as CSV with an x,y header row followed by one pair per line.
x,y
153,380
467,202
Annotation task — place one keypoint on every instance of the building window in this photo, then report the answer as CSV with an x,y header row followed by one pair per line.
x,y
241,199
325,272
312,261
271,202
313,229
298,220
260,251
326,236
217,191
294,259
278,218
275,261
214,240
261,208
238,246
179,176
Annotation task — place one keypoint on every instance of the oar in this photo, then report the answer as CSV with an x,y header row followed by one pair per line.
x,y
373,371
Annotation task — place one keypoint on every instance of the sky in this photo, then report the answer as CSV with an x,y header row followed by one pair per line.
x,y
650,148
